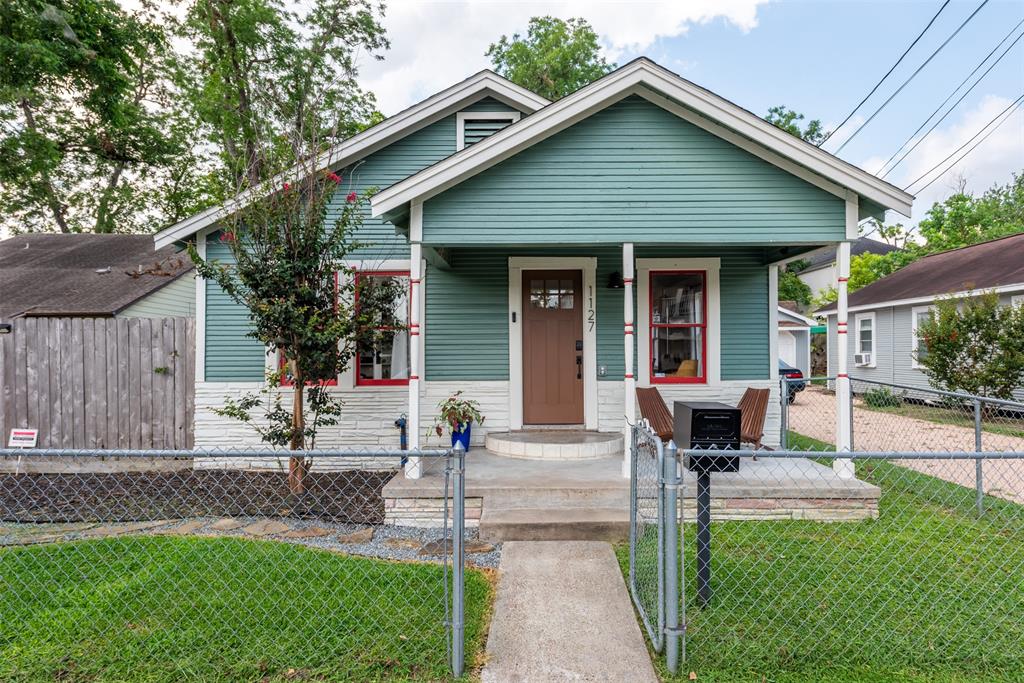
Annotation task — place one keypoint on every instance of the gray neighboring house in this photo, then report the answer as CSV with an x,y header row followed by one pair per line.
x,y
93,276
884,315
820,272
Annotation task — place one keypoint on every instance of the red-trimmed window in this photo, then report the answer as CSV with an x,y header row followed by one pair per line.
x,y
286,379
382,354
678,326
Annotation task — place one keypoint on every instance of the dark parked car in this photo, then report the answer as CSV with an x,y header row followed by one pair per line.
x,y
789,372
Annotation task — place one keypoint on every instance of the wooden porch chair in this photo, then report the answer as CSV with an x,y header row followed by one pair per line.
x,y
753,407
654,410
753,411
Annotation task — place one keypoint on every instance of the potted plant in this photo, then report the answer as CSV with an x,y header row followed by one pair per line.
x,y
458,414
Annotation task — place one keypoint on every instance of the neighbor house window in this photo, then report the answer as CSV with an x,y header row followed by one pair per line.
x,y
864,325
1017,300
382,351
918,315
678,326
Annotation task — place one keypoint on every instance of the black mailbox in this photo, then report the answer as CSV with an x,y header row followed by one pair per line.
x,y
707,425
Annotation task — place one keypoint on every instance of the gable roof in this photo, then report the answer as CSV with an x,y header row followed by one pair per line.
x,y
790,316
485,83
824,258
48,274
995,264
666,89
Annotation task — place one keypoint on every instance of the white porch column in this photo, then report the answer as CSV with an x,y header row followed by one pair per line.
x,y
842,467
413,468
629,383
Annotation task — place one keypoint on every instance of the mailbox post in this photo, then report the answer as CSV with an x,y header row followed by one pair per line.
x,y
713,427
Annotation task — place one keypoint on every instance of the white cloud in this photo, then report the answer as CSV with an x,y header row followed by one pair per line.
x,y
990,163
435,44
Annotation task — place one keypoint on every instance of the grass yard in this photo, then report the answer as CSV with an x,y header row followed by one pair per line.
x,y
1003,425
147,608
927,592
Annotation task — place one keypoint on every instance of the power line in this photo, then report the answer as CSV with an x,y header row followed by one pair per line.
x,y
912,76
1011,108
955,104
887,73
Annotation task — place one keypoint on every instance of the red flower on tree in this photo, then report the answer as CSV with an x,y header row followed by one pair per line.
x,y
287,186
334,177
351,197
227,237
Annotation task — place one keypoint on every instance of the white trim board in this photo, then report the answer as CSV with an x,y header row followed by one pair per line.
x,y
632,78
463,116
434,108
643,319
1003,289
516,266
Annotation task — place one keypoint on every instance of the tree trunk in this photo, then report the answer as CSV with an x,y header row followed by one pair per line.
x,y
297,467
52,201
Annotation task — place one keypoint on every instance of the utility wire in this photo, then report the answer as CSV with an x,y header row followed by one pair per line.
x,y
955,104
887,73
1013,106
912,76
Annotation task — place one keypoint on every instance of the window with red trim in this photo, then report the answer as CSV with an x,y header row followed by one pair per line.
x,y
678,326
382,352
286,378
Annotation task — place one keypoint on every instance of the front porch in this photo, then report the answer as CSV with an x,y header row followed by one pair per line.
x,y
526,499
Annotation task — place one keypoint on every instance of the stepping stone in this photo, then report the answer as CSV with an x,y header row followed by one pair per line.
x,y
308,532
189,527
472,547
129,528
357,537
266,527
226,524
402,543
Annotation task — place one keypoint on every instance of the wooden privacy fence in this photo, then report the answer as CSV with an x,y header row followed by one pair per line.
x,y
100,382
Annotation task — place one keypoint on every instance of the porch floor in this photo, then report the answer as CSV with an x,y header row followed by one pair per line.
x,y
762,489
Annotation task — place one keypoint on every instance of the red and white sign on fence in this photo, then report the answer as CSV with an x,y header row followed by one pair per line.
x,y
23,438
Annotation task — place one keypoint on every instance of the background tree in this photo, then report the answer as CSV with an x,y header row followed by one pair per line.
x,y
88,122
789,121
555,58
974,345
791,287
275,89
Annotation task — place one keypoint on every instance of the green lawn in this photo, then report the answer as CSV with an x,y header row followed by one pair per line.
x,y
962,417
927,592
166,609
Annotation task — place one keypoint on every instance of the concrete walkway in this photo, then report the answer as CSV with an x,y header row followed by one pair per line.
x,y
563,614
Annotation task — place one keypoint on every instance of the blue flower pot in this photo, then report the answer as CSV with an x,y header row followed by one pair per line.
x,y
462,437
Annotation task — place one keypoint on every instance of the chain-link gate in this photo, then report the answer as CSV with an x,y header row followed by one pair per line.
x,y
214,565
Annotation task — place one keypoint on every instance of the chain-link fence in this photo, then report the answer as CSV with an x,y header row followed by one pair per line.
x,y
892,573
646,533
221,567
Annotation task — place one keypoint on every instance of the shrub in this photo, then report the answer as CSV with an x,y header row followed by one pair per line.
x,y
880,397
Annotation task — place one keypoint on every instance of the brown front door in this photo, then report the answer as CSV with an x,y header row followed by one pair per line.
x,y
552,347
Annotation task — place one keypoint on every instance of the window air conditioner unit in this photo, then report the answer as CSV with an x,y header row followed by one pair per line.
x,y
862,359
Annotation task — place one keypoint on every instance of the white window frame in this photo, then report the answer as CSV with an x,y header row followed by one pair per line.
x,y
914,312
857,320
711,267
463,116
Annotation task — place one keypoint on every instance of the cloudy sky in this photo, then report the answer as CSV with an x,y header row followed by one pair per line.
x,y
819,58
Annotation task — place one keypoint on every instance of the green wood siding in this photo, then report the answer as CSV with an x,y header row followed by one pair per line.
x,y
633,168
396,162
175,299
230,355
466,320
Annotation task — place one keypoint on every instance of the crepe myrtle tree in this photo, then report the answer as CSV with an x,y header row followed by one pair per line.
x,y
287,270
973,345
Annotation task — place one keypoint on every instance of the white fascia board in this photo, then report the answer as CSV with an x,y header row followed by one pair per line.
x,y
613,87
1002,289
794,314
430,110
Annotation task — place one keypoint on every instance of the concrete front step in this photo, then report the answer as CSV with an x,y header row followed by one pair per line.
x,y
558,497
555,524
555,444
